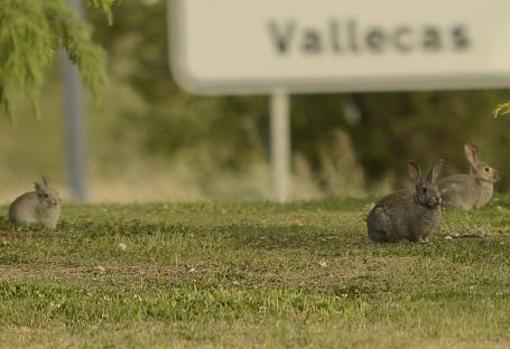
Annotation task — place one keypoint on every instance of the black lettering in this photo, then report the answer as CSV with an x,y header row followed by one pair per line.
x,y
460,37
312,41
334,30
282,37
432,39
348,35
376,39
352,34
403,39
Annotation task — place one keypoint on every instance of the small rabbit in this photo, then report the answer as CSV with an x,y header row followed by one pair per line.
x,y
40,206
473,190
408,214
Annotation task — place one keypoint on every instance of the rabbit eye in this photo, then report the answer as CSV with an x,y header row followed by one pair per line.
x,y
487,169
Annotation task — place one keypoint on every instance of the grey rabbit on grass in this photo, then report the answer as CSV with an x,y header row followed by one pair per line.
x,y
471,190
42,206
408,215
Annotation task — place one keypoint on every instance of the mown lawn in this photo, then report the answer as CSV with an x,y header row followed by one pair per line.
x,y
253,275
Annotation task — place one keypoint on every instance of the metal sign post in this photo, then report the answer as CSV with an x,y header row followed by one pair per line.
x,y
74,110
280,144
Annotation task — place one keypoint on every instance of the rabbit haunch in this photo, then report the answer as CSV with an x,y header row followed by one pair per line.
x,y
408,215
471,190
41,206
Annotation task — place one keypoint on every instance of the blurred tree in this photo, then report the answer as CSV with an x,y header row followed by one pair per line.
x,y
31,31
423,126
215,132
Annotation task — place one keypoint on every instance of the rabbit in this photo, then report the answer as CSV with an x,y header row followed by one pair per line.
x,y
408,214
41,206
469,191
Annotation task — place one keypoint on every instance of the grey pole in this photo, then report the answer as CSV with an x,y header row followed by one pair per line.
x,y
74,110
280,144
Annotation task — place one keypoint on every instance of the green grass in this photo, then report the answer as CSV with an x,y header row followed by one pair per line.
x,y
253,275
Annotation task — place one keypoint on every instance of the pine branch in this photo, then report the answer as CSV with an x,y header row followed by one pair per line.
x,y
502,110
31,32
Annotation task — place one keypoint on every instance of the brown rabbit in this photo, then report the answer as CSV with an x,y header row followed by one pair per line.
x,y
408,214
473,190
41,206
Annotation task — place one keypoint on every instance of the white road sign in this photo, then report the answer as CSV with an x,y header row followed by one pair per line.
x,y
252,46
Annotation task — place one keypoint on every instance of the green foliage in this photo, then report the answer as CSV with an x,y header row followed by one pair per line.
x,y
105,6
502,110
227,275
216,133
31,32
426,126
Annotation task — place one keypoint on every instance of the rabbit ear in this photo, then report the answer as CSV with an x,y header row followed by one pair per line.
x,y
45,180
434,172
414,171
472,154
39,189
